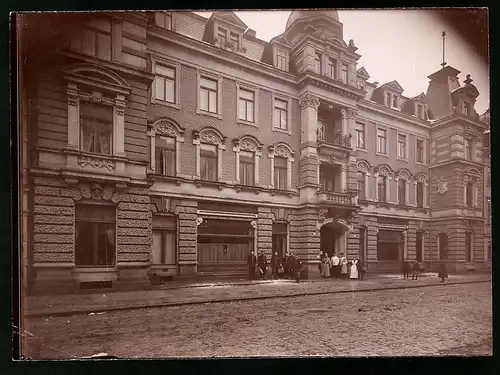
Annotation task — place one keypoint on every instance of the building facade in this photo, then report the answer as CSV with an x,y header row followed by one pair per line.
x,y
170,144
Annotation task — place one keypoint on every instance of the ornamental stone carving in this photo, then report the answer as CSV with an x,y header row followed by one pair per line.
x,y
96,191
421,178
442,186
199,220
165,128
86,161
309,100
253,223
352,113
363,167
343,114
404,175
383,172
247,145
282,152
323,213
72,96
209,136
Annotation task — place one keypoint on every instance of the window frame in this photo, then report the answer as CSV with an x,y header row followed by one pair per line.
x,y
201,143
360,129
332,63
382,181
282,149
172,148
424,149
284,170
420,198
96,31
204,151
318,62
204,74
405,146
361,193
288,102
469,144
163,232
111,133
281,61
172,64
344,78
164,15
255,91
377,151
402,199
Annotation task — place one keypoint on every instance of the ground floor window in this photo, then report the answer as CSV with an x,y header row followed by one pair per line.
x,y
279,239
390,245
164,250
443,246
95,235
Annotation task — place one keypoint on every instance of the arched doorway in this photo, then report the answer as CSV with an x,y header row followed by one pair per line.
x,y
333,238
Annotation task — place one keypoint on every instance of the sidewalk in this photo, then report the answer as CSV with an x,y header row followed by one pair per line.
x,y
175,294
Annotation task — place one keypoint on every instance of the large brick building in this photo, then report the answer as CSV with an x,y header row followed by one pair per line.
x,y
173,144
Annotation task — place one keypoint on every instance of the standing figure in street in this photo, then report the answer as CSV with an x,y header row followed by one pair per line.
x,y
297,267
325,266
361,268
275,261
286,265
335,265
262,265
443,272
320,261
406,269
416,269
354,270
252,262
343,266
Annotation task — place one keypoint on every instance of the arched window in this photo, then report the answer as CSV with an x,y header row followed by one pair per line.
x,y
281,156
166,136
248,153
209,146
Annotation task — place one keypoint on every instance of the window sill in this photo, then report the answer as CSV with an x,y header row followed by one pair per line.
x,y
380,154
209,114
362,150
72,151
158,176
402,159
423,164
277,130
199,183
248,123
288,193
166,104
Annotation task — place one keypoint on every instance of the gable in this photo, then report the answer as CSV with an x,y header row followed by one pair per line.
x,y
394,85
363,73
231,18
421,97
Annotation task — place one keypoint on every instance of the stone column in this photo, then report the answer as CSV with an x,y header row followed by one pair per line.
x,y
376,186
426,197
343,178
152,158
396,180
119,126
73,116
345,122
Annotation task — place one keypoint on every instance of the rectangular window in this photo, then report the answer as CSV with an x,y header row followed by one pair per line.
x,y
327,178
222,36
382,189
344,74
468,149
420,151
208,163
420,111
317,62
234,40
164,20
467,109
208,95
281,60
95,235
468,247
402,192
443,246
390,245
360,135
332,68
164,247
280,173
469,194
381,141
94,40
165,155
246,105
394,101
96,128
165,83
361,186
280,114
388,99
401,146
420,194
247,170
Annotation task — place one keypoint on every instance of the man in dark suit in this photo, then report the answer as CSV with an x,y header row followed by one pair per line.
x,y
251,261
275,262
262,264
361,268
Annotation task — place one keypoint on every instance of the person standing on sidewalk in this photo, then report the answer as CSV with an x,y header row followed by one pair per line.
x,y
262,265
252,262
325,266
416,269
286,265
275,262
335,265
406,270
343,266
443,272
361,268
297,266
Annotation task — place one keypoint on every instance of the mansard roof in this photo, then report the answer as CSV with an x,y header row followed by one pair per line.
x,y
394,85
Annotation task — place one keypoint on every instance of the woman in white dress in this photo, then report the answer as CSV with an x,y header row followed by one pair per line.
x,y
354,270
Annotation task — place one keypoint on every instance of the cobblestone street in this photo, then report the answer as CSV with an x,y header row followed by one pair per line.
x,y
438,320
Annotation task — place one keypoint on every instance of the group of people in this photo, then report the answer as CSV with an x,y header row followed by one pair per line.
x,y
407,268
340,267
289,266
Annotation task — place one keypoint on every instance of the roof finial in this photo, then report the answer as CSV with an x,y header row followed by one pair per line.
x,y
443,64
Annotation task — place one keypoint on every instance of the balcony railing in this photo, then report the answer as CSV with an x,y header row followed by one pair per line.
x,y
333,138
336,197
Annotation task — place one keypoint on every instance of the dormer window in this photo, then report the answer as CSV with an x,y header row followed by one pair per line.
x,y
420,111
317,63
394,101
222,36
164,20
281,63
227,39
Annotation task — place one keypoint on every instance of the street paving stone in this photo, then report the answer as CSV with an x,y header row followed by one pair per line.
x,y
438,320
198,293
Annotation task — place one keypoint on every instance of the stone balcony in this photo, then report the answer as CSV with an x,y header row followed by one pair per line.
x,y
330,198
332,141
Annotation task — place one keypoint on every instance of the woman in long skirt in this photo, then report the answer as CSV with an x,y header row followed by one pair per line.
x,y
343,266
325,266
443,272
354,270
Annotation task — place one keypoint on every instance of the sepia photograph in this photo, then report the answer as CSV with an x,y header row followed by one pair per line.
x,y
252,183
